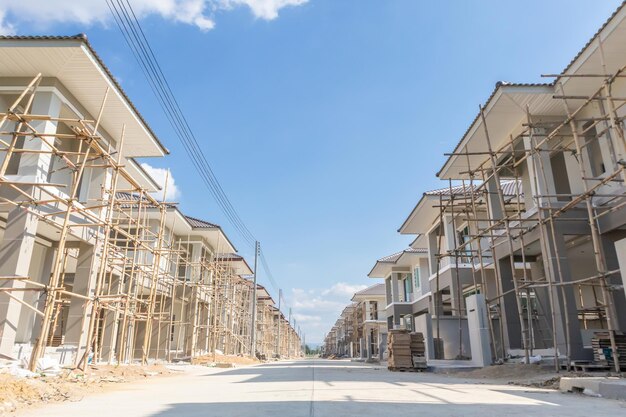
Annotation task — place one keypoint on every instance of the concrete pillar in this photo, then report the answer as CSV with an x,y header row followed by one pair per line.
x,y
388,291
110,328
433,243
510,315
40,272
541,332
382,347
493,199
79,316
541,183
35,166
576,343
16,252
456,294
17,246
395,295
450,238
478,328
616,258
192,307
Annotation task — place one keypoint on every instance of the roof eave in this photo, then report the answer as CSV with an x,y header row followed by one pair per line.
x,y
499,89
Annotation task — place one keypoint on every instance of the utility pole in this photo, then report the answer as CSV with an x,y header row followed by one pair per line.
x,y
254,308
289,335
280,295
294,330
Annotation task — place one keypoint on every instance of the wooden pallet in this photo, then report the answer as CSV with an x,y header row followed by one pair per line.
x,y
590,367
398,369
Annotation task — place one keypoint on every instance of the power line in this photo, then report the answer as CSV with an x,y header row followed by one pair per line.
x,y
137,41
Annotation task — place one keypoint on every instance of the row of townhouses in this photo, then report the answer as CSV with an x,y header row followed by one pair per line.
x,y
519,252
361,329
92,267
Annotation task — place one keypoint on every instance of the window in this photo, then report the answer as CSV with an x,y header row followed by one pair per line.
x,y
408,289
416,278
463,239
408,322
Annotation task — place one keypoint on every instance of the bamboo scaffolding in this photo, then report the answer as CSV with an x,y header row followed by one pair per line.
x,y
508,232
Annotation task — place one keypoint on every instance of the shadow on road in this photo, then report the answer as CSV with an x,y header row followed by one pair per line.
x,y
349,408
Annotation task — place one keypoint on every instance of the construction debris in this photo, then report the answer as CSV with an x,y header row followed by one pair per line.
x,y
68,385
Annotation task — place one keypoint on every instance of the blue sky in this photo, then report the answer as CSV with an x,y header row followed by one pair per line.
x,y
324,120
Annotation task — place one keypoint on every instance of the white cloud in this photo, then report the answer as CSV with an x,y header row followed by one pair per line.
x,y
5,27
199,13
159,175
307,319
264,9
343,289
310,300
316,310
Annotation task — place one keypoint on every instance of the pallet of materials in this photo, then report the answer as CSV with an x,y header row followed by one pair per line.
x,y
406,351
418,351
602,353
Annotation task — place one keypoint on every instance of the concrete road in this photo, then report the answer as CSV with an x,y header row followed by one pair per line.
x,y
325,388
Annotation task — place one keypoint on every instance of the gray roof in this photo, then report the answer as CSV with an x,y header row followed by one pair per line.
x,y
194,222
394,257
200,224
509,188
593,38
376,289
550,84
229,257
131,197
499,84
83,38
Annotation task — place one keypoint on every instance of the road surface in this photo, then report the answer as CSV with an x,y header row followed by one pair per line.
x,y
324,388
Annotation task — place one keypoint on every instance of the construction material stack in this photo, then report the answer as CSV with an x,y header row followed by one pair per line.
x,y
418,351
602,352
406,351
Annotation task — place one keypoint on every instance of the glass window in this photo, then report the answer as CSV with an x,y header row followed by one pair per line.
x,y
463,238
407,287
416,278
408,322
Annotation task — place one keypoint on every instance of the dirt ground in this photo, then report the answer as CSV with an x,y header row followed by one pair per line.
x,y
73,385
517,374
223,359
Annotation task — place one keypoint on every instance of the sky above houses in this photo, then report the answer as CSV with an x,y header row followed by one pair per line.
x,y
324,120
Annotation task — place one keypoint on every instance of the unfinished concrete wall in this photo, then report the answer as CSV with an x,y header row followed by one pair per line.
x,y
456,345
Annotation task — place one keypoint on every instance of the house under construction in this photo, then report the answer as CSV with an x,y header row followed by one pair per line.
x,y
92,267
532,216
520,253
